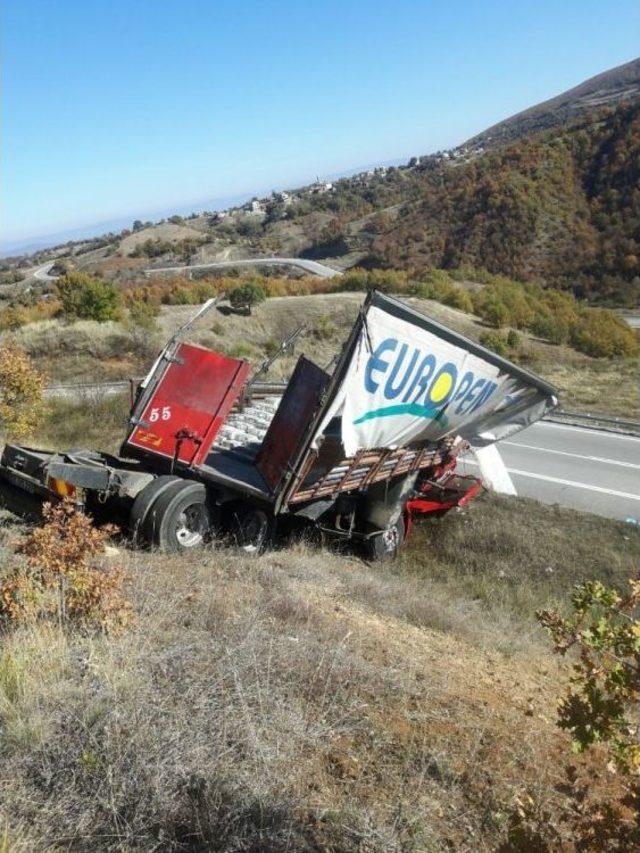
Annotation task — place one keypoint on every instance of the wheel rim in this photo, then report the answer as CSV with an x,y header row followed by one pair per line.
x,y
191,527
254,531
391,539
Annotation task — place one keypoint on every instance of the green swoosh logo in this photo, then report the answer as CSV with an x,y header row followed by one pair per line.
x,y
414,409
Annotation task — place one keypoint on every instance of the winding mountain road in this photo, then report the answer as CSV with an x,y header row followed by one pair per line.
x,y
42,273
314,267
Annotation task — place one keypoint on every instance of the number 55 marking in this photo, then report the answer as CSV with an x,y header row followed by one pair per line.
x,y
156,414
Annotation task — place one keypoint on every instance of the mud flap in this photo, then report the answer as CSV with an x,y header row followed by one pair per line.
x,y
493,470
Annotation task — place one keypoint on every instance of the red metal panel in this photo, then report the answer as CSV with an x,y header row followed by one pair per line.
x,y
298,405
190,404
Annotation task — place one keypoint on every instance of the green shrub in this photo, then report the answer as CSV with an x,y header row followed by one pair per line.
x,y
143,312
246,296
204,290
495,312
323,328
600,333
552,329
241,350
457,298
84,297
271,347
495,341
437,285
178,296
153,248
554,316
386,281
12,318
11,277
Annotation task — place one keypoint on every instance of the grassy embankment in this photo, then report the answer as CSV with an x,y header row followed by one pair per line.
x,y
306,700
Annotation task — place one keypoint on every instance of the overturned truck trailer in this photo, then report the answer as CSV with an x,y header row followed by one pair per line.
x,y
354,454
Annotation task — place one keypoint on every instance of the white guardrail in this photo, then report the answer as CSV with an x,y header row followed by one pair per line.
x,y
594,420
97,390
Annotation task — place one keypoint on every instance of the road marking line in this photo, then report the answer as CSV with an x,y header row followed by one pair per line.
x,y
575,455
571,483
584,429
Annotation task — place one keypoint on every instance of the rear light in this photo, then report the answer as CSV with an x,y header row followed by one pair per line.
x,y
61,488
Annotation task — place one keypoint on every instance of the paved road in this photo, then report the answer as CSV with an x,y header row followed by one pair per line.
x,y
302,263
42,273
580,468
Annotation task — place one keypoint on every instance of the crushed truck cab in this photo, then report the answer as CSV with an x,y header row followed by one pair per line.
x,y
354,454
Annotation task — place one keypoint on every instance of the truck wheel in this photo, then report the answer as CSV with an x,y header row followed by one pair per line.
x,y
144,501
179,519
386,544
252,529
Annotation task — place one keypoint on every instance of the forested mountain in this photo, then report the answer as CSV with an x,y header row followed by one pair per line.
x,y
561,207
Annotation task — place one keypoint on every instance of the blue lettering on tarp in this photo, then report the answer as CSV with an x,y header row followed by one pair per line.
x,y
461,391
391,392
421,378
484,395
376,363
466,394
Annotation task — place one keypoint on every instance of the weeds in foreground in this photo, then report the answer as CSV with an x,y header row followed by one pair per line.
x,y
307,701
61,577
600,708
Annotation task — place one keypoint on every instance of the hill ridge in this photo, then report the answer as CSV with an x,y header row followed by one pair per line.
x,y
607,88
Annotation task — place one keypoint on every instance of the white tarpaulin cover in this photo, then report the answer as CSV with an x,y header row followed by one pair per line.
x,y
410,380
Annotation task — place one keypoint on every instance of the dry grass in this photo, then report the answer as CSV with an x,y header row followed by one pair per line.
x,y
87,351
96,422
302,701
591,384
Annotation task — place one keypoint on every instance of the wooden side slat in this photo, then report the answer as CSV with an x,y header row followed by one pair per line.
x,y
371,466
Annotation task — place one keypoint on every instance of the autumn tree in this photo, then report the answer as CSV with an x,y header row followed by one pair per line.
x,y
62,575
21,388
601,712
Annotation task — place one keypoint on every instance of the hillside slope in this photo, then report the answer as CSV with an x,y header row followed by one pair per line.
x,y
606,89
561,207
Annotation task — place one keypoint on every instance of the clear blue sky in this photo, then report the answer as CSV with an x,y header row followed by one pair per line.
x,y
125,108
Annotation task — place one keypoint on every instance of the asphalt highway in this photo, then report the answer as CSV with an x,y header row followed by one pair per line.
x,y
576,467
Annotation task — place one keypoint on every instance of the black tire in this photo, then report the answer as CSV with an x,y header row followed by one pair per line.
x,y
179,520
144,501
386,544
252,529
